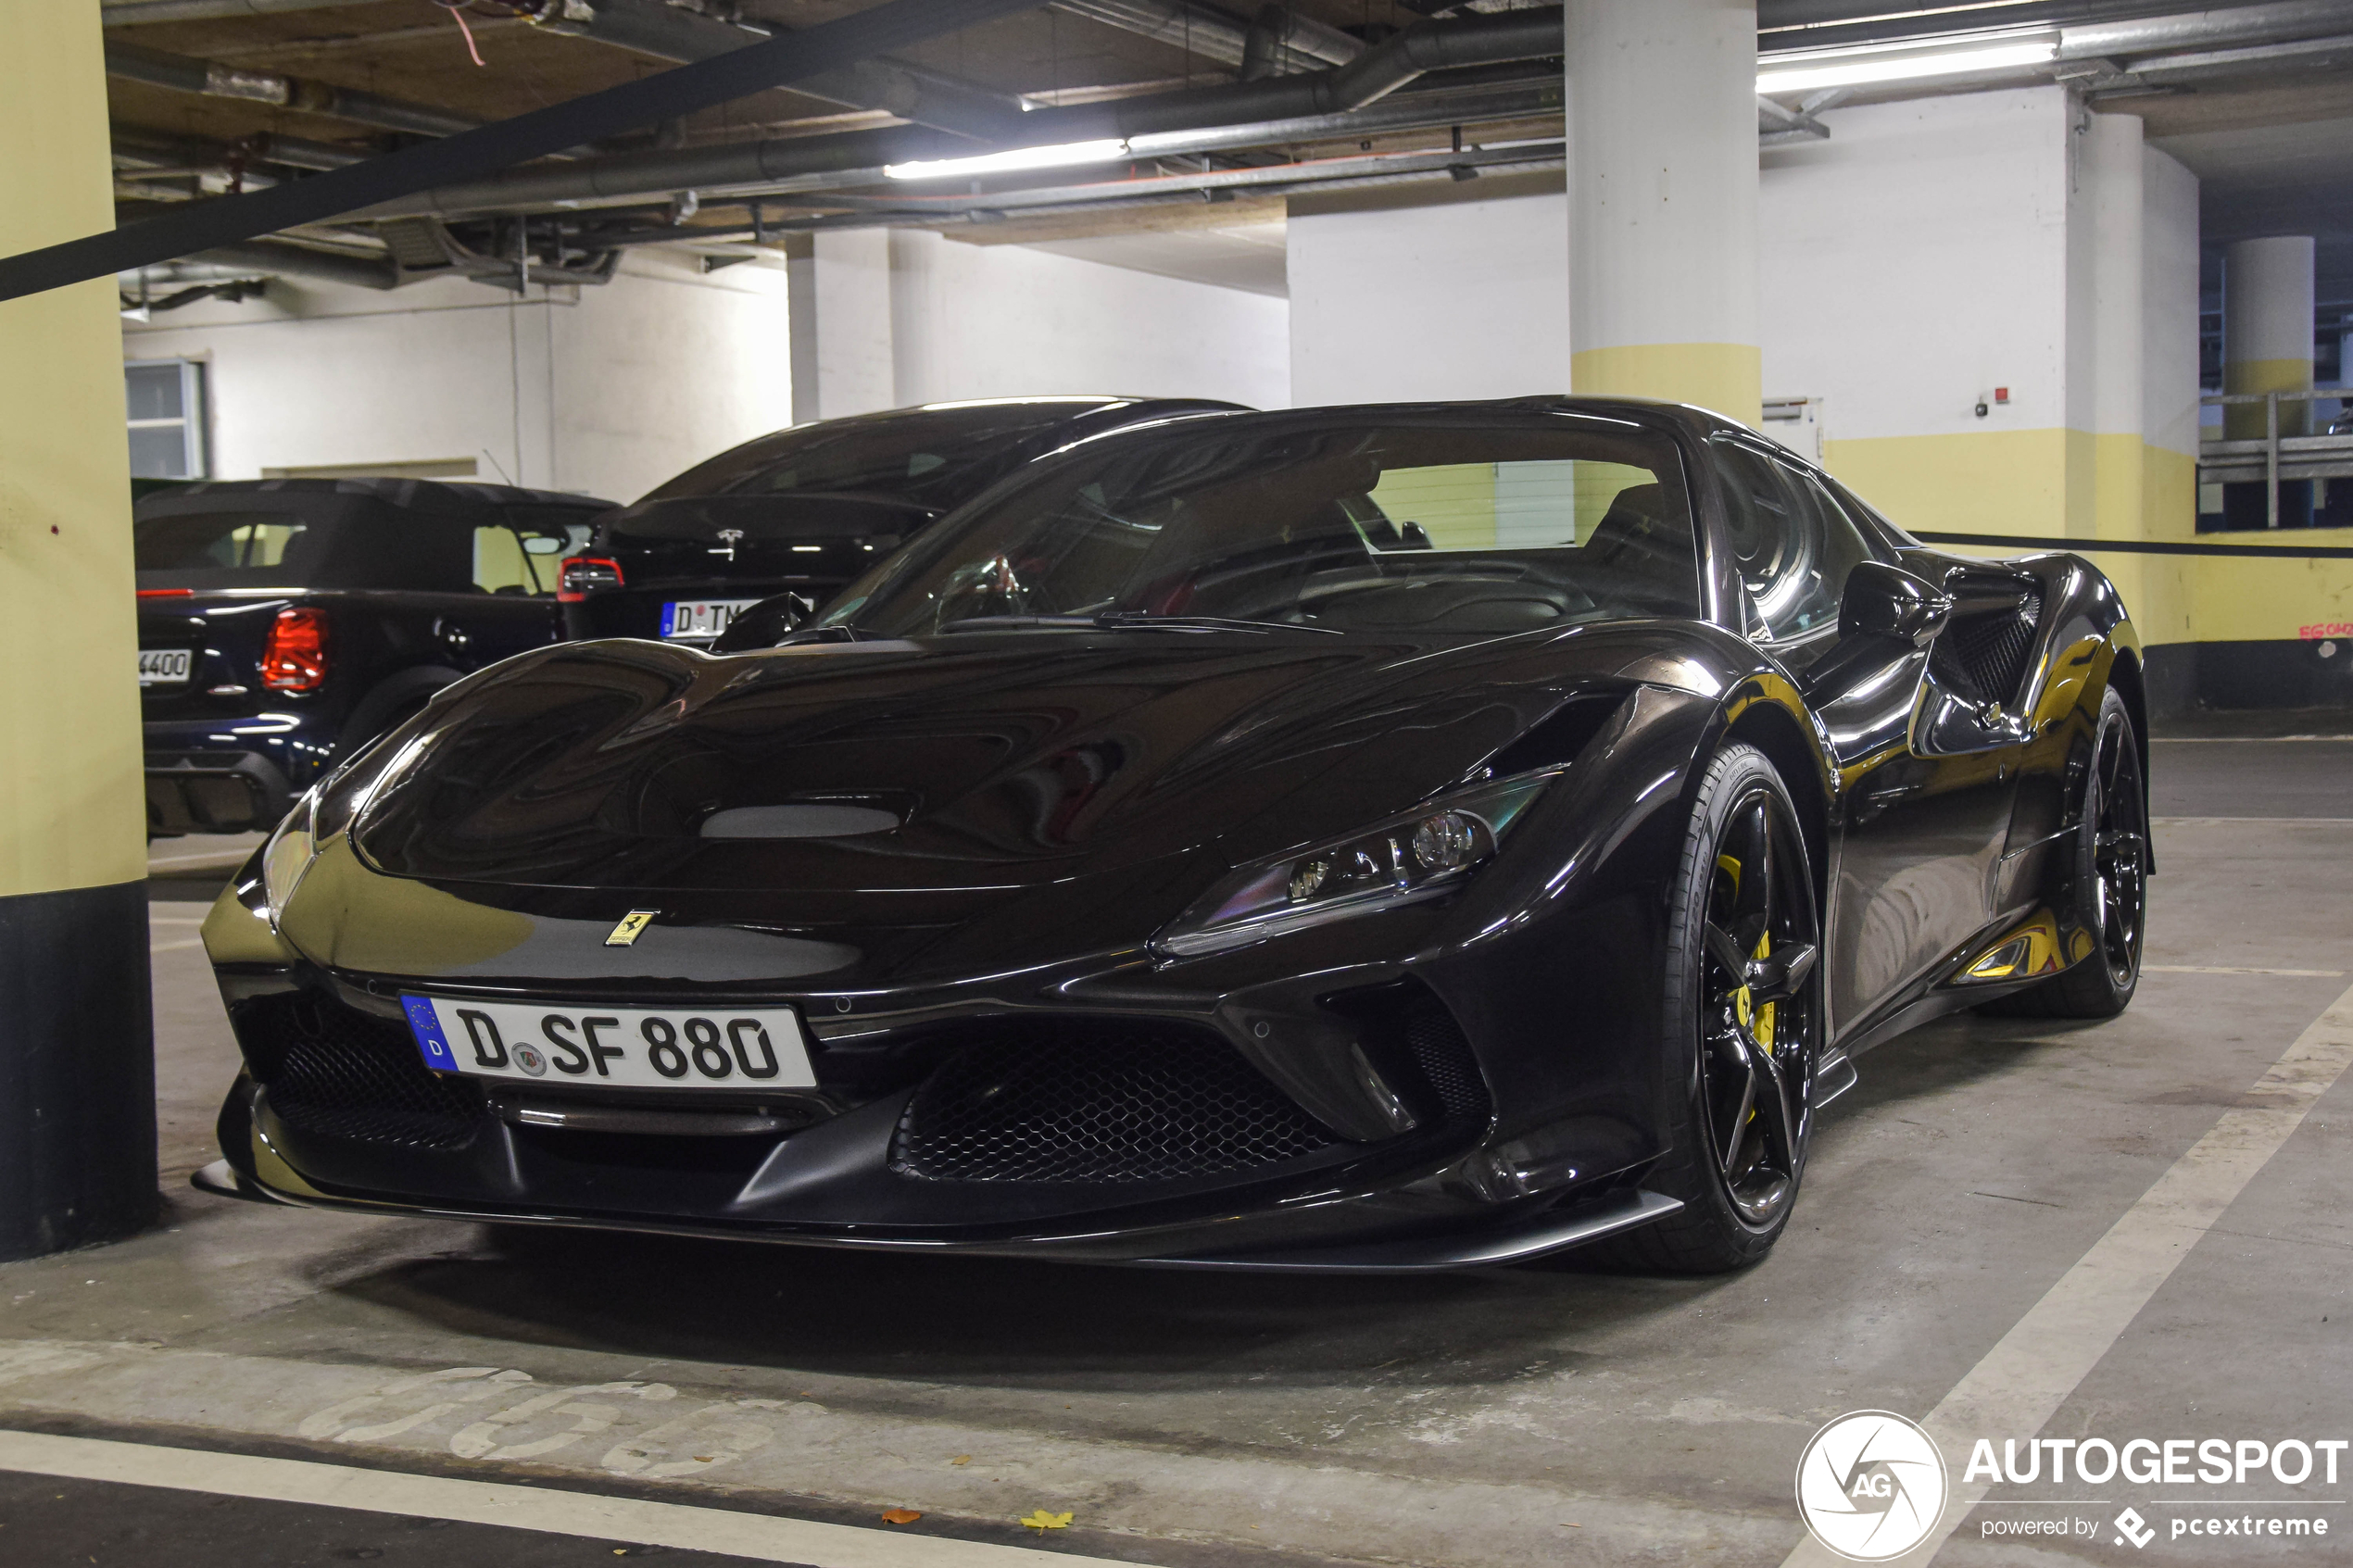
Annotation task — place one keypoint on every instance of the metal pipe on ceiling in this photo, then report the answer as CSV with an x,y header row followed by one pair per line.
x,y
134,13
1214,35
276,258
212,79
1271,109
293,152
1484,38
2195,65
669,33
2188,30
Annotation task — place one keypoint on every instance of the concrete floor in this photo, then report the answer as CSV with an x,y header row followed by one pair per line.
x,y
1548,1415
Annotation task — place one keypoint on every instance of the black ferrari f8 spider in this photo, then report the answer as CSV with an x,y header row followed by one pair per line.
x,y
1398,837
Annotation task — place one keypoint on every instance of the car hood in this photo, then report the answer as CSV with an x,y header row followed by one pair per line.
x,y
960,764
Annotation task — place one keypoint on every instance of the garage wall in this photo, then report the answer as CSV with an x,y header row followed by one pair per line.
x,y
1916,262
607,391
914,317
1465,298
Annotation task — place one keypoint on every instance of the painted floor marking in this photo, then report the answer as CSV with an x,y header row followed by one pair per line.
x,y
758,1536
174,946
2230,969
2226,821
2235,740
2022,1381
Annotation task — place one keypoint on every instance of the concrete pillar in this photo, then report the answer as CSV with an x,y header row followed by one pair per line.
x,y
2267,346
77,1063
2113,177
1661,101
856,373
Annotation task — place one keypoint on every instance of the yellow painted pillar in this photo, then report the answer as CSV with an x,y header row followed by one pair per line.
x,y
77,1075
1661,102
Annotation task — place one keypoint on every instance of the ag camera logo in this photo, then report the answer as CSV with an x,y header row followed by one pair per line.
x,y
1871,1485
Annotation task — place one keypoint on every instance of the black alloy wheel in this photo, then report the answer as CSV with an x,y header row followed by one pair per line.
x,y
1743,1020
2106,897
1756,1022
2117,809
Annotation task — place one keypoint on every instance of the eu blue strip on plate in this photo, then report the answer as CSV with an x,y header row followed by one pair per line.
x,y
426,1025
669,618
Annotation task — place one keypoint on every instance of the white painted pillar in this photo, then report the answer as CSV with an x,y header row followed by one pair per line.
x,y
855,371
2267,329
2114,178
1661,100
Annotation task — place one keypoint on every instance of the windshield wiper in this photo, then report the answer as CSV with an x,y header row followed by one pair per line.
x,y
1150,622
1126,620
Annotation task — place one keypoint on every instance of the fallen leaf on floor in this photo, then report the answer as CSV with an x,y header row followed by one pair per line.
x,y
1042,1519
962,1459
900,1516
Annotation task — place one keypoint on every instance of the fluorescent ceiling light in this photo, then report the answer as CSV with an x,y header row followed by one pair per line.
x,y
1006,162
1804,74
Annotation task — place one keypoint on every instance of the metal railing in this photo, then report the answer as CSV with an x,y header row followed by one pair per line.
x,y
2275,459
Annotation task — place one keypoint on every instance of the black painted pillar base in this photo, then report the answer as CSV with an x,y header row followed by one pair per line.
x,y
77,1068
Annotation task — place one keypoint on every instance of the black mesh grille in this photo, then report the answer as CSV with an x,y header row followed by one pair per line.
x,y
342,1073
1989,651
1110,1103
1444,1057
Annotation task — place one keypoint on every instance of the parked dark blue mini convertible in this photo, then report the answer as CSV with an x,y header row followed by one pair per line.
x,y
285,622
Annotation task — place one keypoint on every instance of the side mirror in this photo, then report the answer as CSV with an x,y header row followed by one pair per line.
x,y
1887,602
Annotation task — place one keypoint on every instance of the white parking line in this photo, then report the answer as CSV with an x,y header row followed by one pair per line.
x,y
174,946
758,1536
2230,969
2022,1381
2226,821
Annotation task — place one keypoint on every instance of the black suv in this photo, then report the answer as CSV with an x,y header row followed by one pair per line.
x,y
285,622
795,515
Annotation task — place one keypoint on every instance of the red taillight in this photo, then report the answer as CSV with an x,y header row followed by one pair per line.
x,y
167,593
295,656
581,575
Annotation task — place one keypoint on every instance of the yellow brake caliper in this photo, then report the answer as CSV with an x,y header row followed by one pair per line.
x,y
1757,1019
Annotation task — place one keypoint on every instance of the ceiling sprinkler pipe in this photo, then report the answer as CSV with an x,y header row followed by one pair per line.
x,y
2188,29
210,79
134,13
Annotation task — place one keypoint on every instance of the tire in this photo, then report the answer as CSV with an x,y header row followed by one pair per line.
x,y
1738,1173
2107,892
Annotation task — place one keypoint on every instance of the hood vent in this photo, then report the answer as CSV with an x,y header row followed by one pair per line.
x,y
804,819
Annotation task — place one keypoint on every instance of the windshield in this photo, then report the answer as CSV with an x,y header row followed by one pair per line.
x,y
935,458
1446,524
228,548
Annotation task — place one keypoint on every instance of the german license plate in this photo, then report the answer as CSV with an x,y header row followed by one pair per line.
x,y
624,1048
699,621
165,666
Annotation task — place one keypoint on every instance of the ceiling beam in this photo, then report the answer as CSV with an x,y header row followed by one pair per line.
x,y
1300,43
669,33
671,94
210,79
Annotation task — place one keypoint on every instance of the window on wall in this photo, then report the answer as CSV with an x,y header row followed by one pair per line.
x,y
166,402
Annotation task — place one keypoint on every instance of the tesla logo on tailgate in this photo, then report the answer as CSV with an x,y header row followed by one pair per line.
x,y
634,921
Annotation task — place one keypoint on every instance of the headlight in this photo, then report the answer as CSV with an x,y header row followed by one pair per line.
x,y
1423,854
331,807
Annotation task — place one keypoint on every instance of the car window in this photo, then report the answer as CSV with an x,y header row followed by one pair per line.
x,y
523,559
1791,542
934,458
243,542
1340,524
